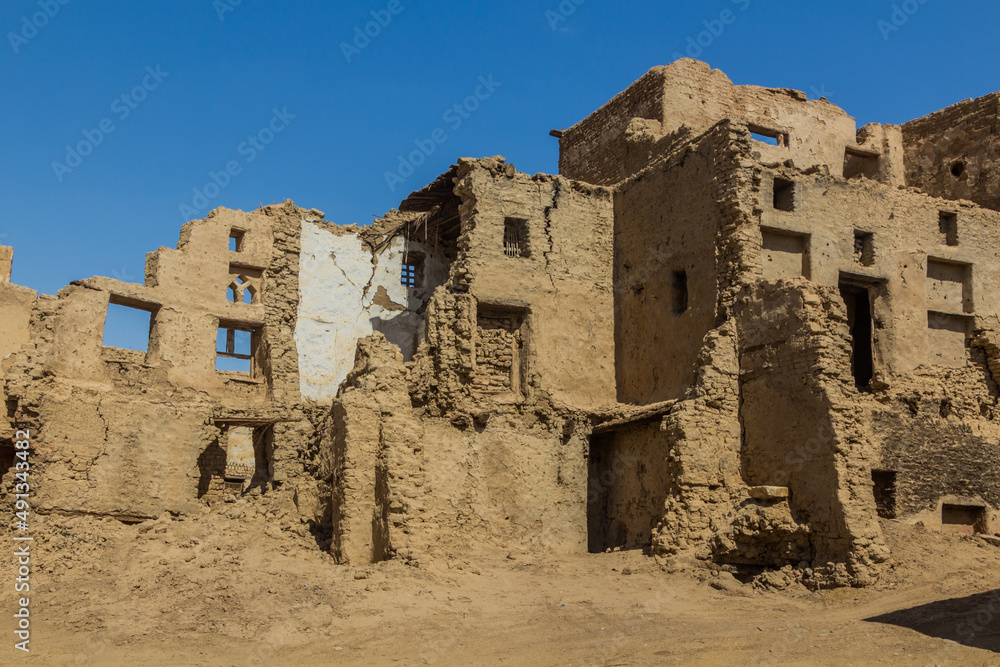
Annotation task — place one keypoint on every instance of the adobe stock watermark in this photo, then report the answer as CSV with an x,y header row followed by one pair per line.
x,y
122,107
123,274
982,621
714,28
454,116
820,93
31,25
363,36
223,7
22,538
562,12
899,17
248,150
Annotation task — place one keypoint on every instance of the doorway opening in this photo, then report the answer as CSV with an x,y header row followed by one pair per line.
x,y
884,489
857,300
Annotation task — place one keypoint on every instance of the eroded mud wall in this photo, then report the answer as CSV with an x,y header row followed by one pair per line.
x,y
952,153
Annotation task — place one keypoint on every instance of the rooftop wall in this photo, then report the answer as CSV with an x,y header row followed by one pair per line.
x,y
688,96
952,153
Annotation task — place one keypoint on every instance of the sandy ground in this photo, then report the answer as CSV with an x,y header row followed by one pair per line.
x,y
253,588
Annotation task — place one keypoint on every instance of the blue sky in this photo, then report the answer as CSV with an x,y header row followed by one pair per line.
x,y
200,78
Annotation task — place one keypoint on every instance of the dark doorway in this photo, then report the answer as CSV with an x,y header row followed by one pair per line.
x,y
859,321
600,480
626,487
884,488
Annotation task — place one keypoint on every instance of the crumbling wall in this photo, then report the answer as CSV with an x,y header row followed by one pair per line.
x,y
922,263
951,153
367,505
16,303
558,283
595,149
668,224
688,96
412,486
492,449
802,422
703,434
347,290
101,415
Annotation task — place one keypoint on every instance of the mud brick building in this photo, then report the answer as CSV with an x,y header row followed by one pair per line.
x,y
734,328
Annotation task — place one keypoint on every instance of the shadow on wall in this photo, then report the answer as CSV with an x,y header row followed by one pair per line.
x,y
402,328
973,620
209,465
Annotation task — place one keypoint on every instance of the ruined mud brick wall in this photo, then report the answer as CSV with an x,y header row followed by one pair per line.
x,y
367,505
467,466
412,486
952,153
15,316
803,425
120,432
562,287
350,287
688,97
669,219
496,344
702,434
926,264
594,150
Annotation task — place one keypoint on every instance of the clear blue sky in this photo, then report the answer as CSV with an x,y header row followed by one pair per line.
x,y
219,81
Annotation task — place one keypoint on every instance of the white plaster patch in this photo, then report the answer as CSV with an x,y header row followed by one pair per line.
x,y
335,310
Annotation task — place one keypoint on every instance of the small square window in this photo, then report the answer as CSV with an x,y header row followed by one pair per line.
x,y
515,237
412,273
864,248
784,194
128,324
236,237
948,227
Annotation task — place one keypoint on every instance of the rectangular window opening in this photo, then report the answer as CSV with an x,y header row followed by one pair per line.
x,y
784,194
236,237
864,248
232,485
515,237
766,135
412,274
884,489
859,321
236,347
679,291
968,519
860,163
128,324
501,347
948,228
